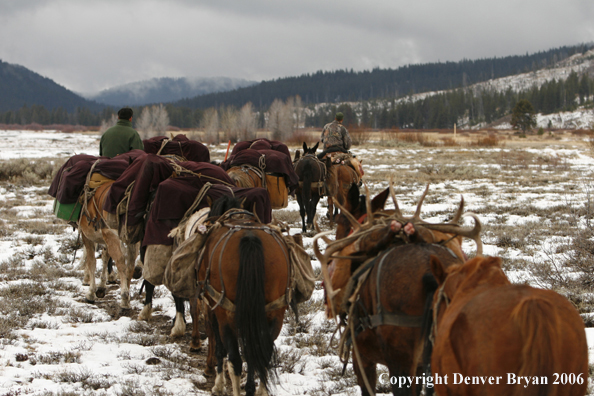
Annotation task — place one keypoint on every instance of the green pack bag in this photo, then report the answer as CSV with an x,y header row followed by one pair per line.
x,y
68,212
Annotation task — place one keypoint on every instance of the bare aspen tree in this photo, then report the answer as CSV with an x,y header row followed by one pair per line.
x,y
246,122
210,124
160,120
144,124
106,124
229,125
153,121
281,121
299,111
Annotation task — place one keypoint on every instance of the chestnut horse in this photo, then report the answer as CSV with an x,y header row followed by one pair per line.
x,y
527,338
312,175
245,276
94,230
246,176
339,181
384,285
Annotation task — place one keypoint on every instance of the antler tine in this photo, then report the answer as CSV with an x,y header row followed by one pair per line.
x,y
417,215
470,233
393,195
325,274
349,216
369,219
458,214
318,231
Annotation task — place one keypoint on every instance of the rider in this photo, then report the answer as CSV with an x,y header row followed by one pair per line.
x,y
335,137
120,138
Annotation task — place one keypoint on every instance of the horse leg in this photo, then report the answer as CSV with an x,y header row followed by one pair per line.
x,y
147,310
209,324
179,326
101,289
114,250
234,363
312,210
369,368
131,254
220,352
90,267
331,210
83,266
302,211
112,277
195,313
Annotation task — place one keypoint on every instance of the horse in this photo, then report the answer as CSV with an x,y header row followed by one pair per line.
x,y
246,176
312,175
339,181
245,277
523,337
94,230
383,282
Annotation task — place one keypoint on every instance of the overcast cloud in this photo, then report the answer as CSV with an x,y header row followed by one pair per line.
x,y
92,45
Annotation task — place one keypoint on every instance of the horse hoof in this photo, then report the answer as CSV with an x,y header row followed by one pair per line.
x,y
89,301
137,272
87,283
195,349
112,282
100,293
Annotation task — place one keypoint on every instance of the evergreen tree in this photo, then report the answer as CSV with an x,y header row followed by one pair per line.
x,y
523,116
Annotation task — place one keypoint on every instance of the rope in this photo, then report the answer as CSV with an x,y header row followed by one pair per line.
x,y
178,231
180,170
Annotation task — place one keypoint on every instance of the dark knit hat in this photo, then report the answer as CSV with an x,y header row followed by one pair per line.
x,y
339,116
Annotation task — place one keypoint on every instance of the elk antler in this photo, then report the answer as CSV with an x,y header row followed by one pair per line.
x,y
393,195
458,214
470,233
354,223
369,219
417,215
317,227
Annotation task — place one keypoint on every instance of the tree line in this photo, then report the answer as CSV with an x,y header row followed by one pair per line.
x,y
465,105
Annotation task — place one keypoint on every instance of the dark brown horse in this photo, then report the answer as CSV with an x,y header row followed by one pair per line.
x,y
519,338
380,281
244,274
312,176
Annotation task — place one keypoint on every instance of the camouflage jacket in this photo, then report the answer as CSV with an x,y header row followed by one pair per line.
x,y
335,134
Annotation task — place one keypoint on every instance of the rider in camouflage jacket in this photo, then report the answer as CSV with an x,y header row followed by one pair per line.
x,y
335,134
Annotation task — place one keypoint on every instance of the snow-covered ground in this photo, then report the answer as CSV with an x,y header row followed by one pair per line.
x,y
68,347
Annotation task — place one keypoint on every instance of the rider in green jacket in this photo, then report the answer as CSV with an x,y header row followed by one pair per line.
x,y
120,138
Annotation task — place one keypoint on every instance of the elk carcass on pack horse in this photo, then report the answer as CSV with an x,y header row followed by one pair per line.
x,y
312,177
488,327
245,275
383,285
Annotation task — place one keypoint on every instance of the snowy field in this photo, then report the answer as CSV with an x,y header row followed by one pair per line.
x,y
535,204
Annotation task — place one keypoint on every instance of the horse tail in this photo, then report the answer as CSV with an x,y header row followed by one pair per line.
x,y
307,181
538,326
255,337
430,285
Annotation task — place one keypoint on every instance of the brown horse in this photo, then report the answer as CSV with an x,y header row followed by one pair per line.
x,y
94,230
244,274
504,339
246,176
339,181
381,274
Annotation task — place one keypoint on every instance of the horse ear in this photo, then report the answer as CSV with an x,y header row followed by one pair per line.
x,y
316,147
297,155
379,201
437,269
304,147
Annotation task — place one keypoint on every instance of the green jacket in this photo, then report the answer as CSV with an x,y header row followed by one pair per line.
x,y
120,139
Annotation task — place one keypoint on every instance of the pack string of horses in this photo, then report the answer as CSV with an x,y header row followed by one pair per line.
x,y
401,290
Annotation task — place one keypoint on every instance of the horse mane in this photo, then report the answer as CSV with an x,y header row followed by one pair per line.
x,y
223,204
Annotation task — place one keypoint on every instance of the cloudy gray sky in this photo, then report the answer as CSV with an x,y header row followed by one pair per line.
x,y
91,45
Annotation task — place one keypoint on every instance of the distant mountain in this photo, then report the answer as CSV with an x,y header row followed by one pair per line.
x,y
165,90
352,86
20,86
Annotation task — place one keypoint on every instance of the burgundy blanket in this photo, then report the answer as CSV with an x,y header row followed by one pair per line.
x,y
71,177
191,150
175,196
276,159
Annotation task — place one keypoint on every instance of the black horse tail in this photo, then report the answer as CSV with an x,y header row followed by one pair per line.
x,y
307,181
430,286
255,337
